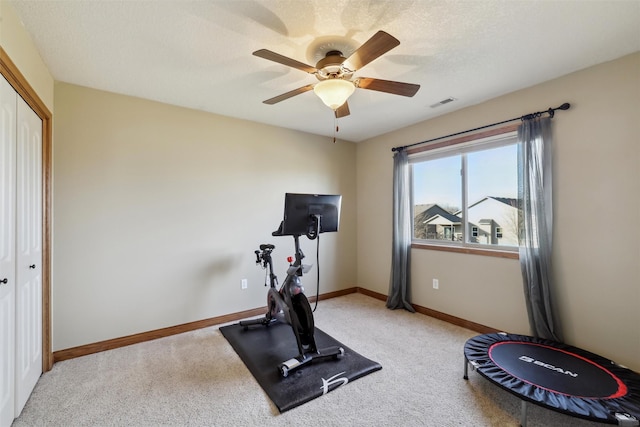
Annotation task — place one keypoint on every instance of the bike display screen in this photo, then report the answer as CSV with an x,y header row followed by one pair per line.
x,y
302,211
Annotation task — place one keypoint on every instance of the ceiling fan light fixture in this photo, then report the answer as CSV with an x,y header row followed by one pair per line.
x,y
334,92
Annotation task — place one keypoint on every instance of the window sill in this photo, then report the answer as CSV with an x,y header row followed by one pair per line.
x,y
467,250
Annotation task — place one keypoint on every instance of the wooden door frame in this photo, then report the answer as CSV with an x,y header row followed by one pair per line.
x,y
15,78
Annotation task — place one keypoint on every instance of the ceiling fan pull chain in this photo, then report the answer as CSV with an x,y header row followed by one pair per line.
x,y
335,119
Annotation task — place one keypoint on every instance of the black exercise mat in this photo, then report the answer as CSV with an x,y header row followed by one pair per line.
x,y
263,348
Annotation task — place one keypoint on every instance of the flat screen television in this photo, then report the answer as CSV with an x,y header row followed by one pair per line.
x,y
301,211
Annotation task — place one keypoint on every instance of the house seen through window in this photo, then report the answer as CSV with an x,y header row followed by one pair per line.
x,y
466,194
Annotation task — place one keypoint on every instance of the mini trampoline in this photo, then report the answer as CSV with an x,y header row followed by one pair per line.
x,y
556,376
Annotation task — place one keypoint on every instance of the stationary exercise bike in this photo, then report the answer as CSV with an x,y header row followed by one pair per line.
x,y
289,303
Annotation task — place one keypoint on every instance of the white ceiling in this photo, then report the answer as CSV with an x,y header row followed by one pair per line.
x,y
197,54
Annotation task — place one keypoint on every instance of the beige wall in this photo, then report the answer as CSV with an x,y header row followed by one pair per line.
x,y
597,175
158,211
17,43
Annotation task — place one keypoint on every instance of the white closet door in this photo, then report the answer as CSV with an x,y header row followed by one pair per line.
x,y
28,253
7,250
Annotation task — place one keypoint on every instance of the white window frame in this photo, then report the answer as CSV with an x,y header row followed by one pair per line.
x,y
441,150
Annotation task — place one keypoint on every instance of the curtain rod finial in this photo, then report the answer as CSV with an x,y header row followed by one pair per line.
x,y
564,106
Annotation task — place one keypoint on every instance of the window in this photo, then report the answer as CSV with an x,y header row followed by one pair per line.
x,y
466,194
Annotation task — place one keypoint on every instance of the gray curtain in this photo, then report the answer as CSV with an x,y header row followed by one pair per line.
x,y
399,284
535,195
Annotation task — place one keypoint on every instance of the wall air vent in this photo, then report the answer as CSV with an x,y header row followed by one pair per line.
x,y
444,101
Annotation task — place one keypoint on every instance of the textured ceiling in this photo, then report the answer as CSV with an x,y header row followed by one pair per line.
x,y
197,54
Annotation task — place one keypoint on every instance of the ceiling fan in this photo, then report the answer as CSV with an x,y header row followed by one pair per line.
x,y
335,74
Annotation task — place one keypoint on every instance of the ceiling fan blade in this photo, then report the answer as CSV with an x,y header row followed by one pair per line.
x,y
343,110
276,57
379,44
288,95
396,88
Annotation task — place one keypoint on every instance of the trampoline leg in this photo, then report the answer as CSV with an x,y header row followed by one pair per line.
x,y
523,413
466,369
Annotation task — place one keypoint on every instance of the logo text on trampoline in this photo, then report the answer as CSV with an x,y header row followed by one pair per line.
x,y
546,365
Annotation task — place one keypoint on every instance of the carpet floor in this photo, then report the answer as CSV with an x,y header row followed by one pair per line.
x,y
197,379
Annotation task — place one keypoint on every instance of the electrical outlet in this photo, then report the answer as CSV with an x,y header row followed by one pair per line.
x,y
436,284
244,283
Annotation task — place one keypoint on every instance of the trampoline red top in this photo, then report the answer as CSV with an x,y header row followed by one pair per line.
x,y
558,376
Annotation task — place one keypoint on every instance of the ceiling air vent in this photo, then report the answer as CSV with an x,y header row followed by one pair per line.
x,y
444,101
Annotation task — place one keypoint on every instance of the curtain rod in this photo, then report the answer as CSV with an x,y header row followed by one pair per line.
x,y
550,112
